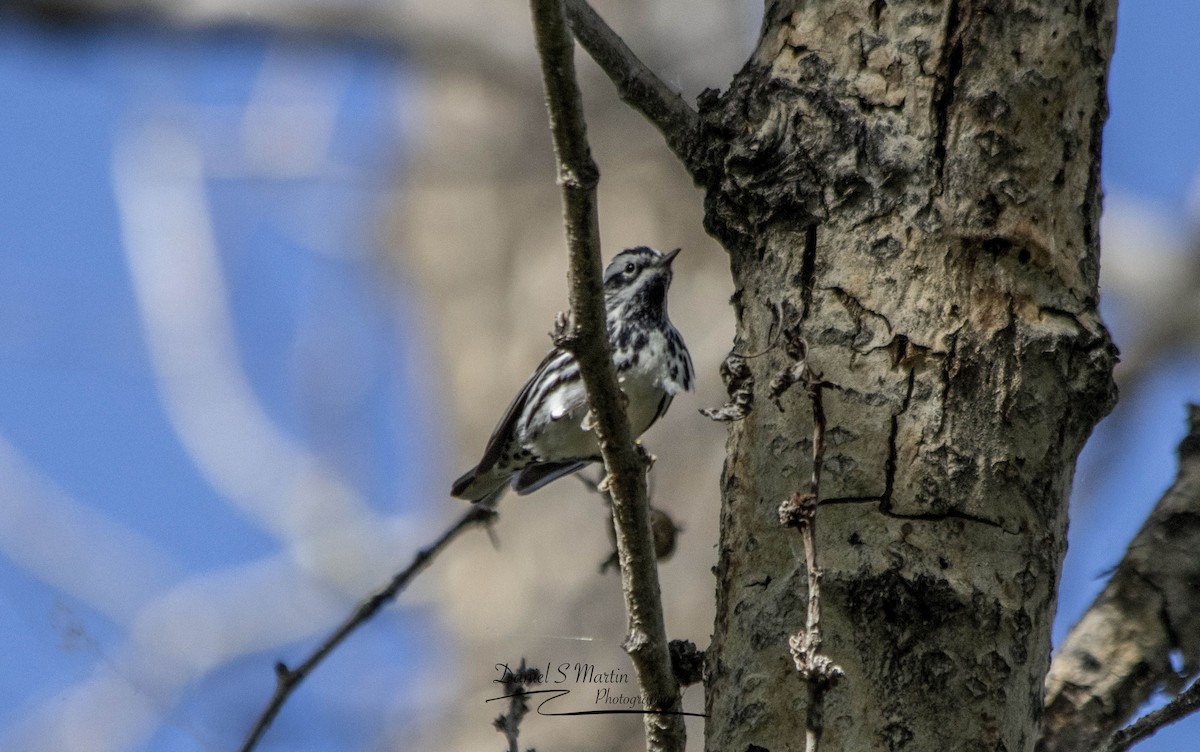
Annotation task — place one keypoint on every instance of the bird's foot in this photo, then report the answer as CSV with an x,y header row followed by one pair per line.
x,y
644,455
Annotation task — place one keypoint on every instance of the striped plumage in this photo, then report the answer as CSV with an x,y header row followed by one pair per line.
x,y
543,435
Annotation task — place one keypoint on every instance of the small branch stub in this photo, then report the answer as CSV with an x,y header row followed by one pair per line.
x,y
687,662
563,334
798,510
583,177
813,666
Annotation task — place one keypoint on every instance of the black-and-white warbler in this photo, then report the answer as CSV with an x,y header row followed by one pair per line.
x,y
544,434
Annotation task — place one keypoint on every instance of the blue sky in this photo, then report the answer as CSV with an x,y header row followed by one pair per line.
x,y
322,340
325,345
1151,148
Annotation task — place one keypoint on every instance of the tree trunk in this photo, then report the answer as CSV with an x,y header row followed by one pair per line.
x,y
913,187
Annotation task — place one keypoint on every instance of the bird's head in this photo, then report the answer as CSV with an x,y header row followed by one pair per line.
x,y
636,281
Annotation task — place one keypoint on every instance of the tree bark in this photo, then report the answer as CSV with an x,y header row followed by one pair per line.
x,y
913,188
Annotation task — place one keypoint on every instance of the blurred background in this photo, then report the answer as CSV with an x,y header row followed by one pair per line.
x,y
270,271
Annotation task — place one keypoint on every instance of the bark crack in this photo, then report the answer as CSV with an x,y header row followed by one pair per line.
x,y
889,465
889,480
947,71
949,364
877,8
808,270
953,514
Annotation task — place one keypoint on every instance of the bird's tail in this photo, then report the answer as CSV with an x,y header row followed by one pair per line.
x,y
476,486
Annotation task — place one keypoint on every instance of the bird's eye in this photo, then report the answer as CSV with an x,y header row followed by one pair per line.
x,y
629,267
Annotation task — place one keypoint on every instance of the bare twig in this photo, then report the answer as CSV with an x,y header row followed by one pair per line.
x,y
800,511
509,723
637,85
587,339
1120,651
287,679
1184,705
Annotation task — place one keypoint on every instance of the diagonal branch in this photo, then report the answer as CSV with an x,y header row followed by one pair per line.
x,y
1185,704
637,85
586,338
1119,653
287,679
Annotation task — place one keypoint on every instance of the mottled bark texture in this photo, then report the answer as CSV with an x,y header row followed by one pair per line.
x,y
914,185
1120,651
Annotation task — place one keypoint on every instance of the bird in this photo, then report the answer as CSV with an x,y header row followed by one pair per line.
x,y
544,434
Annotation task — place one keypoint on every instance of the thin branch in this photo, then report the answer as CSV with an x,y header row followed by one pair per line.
x,y
637,85
587,339
1180,707
287,679
800,511
509,723
1120,651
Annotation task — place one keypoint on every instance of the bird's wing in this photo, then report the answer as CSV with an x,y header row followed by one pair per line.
x,y
535,476
685,378
663,404
504,429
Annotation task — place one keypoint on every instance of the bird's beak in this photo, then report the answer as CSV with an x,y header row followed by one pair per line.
x,y
669,257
